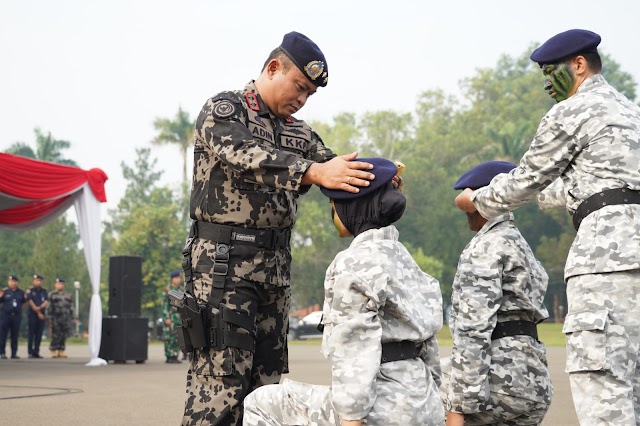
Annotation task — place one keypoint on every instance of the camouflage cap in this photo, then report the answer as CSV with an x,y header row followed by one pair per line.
x,y
307,56
564,45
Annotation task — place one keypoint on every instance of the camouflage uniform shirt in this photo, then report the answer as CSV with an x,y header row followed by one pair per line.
x,y
498,279
248,168
376,293
591,141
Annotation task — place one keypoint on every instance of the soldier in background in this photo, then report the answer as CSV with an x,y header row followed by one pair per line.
x,y
381,314
12,299
497,373
585,157
171,321
252,160
60,315
37,299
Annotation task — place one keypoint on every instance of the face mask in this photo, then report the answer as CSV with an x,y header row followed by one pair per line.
x,y
559,81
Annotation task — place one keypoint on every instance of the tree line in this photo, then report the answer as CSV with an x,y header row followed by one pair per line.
x,y
494,118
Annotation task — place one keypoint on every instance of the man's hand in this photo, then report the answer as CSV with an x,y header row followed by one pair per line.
x,y
40,316
340,173
455,419
167,321
351,423
464,203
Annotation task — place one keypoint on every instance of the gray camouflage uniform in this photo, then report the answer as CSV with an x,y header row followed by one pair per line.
x,y
374,293
503,381
591,141
248,168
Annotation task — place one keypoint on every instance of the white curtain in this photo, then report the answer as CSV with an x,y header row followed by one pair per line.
x,y
88,211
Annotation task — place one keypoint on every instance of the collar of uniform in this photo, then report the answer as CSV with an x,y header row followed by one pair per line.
x,y
387,233
251,87
495,221
591,82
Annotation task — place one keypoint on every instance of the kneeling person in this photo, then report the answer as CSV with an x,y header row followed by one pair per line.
x,y
497,373
380,317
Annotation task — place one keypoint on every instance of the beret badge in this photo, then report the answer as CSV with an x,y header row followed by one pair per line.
x,y
314,69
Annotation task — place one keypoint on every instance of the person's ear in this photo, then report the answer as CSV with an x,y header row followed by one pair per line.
x,y
273,67
580,65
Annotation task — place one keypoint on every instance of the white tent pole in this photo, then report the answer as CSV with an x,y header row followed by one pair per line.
x,y
88,212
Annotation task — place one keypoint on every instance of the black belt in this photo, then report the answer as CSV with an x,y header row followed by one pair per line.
x,y
610,197
271,239
515,328
397,351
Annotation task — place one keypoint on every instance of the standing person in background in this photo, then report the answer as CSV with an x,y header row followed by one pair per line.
x,y
12,299
60,315
252,160
171,320
585,157
37,299
497,373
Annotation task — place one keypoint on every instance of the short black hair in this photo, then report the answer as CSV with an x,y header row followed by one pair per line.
x,y
278,53
594,61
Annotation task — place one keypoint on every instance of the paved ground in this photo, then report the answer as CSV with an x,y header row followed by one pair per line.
x,y
66,392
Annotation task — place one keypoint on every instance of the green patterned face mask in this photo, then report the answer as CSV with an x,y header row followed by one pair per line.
x,y
559,81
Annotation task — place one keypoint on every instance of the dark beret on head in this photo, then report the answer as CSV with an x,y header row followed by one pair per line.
x,y
481,175
59,280
564,45
307,56
383,169
38,277
14,277
174,273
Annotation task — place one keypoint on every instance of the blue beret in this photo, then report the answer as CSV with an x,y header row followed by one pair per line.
x,y
14,277
59,280
481,175
175,273
38,277
383,169
564,45
307,56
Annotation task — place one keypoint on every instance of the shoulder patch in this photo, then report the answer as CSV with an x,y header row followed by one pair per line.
x,y
252,101
224,109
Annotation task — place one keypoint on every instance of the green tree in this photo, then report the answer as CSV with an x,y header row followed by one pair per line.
x,y
179,132
47,149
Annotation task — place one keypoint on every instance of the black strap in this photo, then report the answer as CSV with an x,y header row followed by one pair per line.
x,y
610,197
271,239
397,351
515,328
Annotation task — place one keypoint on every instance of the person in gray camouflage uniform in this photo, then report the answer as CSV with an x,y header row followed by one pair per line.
x,y
590,140
252,161
376,299
497,374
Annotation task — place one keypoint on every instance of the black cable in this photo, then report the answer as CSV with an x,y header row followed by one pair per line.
x,y
62,391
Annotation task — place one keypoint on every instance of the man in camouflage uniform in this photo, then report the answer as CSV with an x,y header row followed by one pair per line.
x,y
252,160
380,317
497,373
591,141
171,321
60,315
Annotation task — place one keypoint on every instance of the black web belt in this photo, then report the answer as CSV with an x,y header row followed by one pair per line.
x,y
398,351
271,239
610,197
515,328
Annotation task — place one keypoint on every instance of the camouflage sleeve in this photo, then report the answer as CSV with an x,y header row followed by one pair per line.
x,y
480,287
318,153
553,196
430,354
166,309
355,346
552,149
221,126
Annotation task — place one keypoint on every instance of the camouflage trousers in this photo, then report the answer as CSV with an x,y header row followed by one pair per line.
x,y
170,339
59,331
408,402
505,410
218,381
603,340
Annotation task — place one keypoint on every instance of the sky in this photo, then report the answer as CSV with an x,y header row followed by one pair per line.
x,y
97,73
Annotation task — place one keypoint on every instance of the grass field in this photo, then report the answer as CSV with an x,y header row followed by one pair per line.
x,y
549,333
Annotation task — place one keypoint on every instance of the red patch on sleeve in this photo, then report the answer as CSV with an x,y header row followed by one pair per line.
x,y
289,119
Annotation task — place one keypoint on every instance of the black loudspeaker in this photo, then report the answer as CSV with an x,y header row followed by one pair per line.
x,y
124,339
125,286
